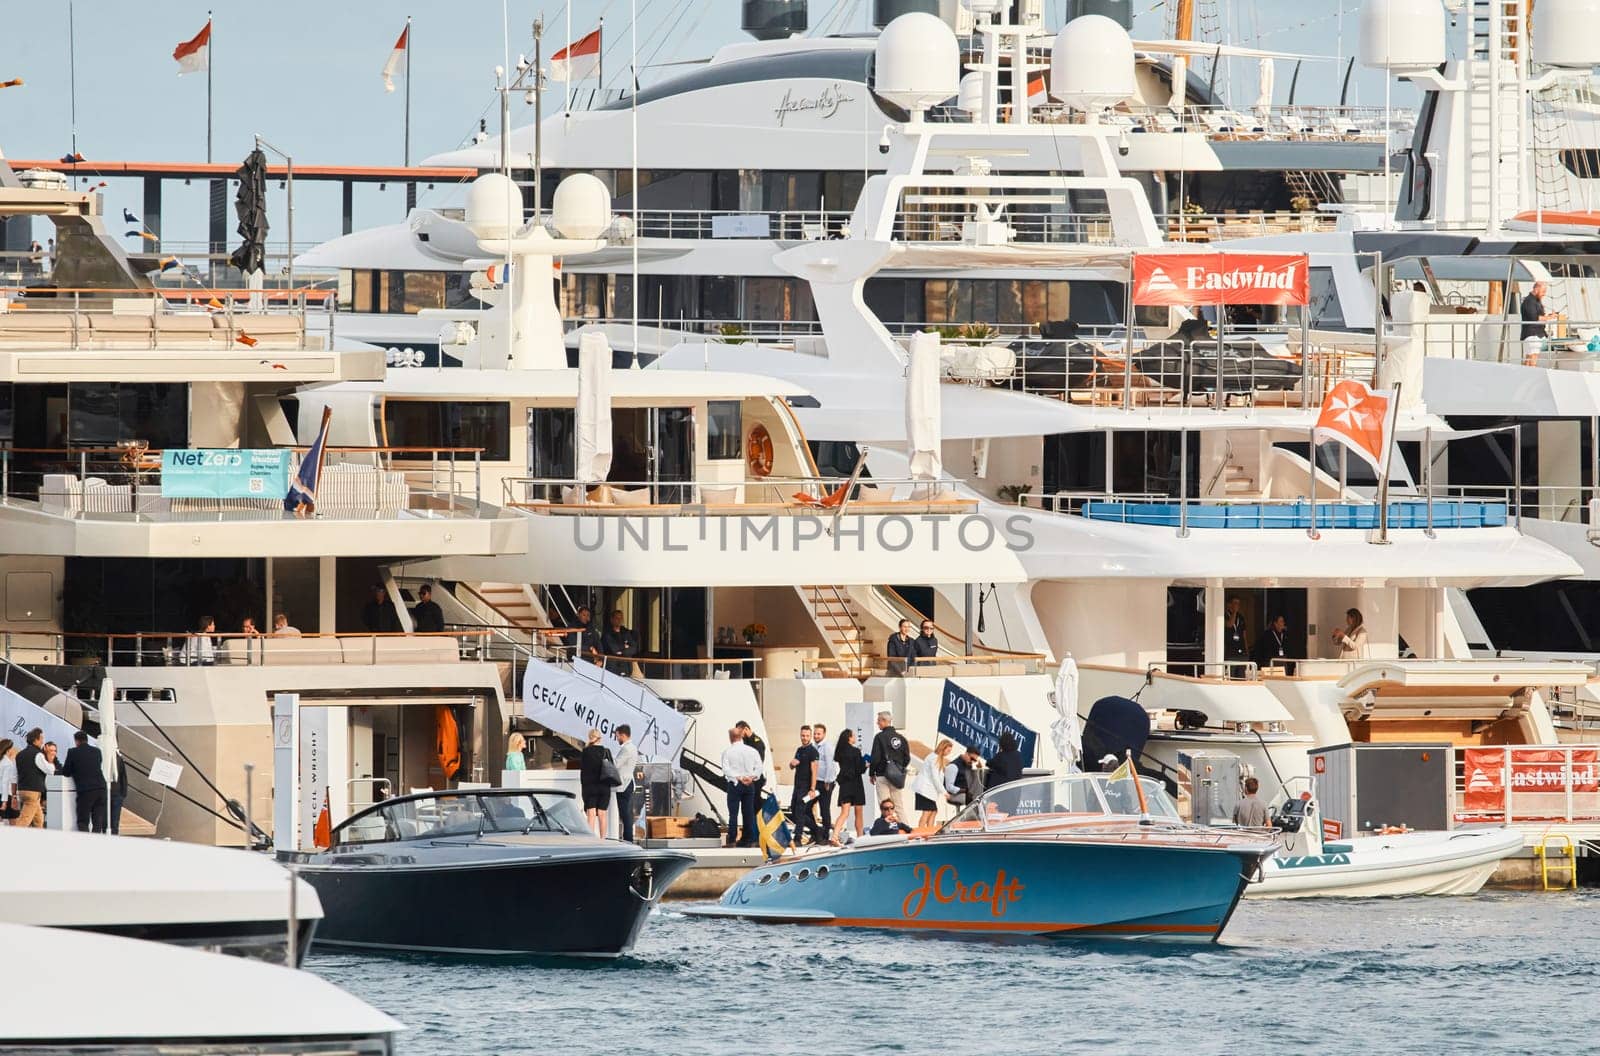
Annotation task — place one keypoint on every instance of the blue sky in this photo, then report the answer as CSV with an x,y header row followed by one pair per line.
x,y
306,75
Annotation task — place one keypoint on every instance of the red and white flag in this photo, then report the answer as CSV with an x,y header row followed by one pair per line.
x,y
194,54
1362,419
578,60
397,59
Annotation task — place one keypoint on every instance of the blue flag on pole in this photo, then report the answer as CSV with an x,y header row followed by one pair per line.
x,y
303,488
976,724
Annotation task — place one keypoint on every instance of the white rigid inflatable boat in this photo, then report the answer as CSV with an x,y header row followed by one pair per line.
x,y
1457,862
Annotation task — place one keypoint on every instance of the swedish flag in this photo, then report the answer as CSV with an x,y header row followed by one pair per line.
x,y
775,833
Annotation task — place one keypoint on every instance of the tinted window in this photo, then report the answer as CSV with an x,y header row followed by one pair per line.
x,y
723,429
431,424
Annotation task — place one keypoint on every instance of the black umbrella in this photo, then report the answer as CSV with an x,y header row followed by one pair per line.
x,y
250,204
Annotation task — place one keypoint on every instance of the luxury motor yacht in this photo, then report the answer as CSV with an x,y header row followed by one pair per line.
x,y
1155,495
767,144
146,557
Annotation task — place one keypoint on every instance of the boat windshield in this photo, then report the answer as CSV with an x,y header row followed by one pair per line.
x,y
462,814
1071,798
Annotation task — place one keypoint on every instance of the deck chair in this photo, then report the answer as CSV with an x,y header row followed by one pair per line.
x,y
827,502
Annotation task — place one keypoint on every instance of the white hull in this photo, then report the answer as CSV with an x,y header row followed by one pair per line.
x,y
1418,863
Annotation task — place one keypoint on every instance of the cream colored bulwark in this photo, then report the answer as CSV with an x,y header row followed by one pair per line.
x,y
1121,624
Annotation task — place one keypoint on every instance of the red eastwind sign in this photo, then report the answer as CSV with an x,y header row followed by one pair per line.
x,y
1220,278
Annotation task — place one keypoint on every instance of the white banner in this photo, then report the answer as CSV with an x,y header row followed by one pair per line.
x,y
18,715
572,700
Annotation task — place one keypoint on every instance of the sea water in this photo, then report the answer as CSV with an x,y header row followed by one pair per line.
x,y
1497,972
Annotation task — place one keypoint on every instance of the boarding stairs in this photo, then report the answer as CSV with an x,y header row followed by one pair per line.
x,y
1314,186
838,620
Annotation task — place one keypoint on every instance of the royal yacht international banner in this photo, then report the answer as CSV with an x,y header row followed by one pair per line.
x,y
574,699
973,723
224,473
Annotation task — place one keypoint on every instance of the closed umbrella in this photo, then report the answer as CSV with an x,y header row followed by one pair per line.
x,y
1065,732
108,731
593,424
1264,95
250,206
923,425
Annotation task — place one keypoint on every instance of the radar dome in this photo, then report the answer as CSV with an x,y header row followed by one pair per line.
x,y
581,207
969,98
1402,35
1091,64
494,206
1566,33
918,62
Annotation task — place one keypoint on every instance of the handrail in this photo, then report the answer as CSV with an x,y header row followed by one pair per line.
x,y
1222,465
842,634
907,606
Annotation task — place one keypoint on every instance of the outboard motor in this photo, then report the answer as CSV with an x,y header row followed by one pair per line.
x,y
1116,726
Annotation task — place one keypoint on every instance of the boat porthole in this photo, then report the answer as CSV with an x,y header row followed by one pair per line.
x,y
783,877
766,878
822,871
804,874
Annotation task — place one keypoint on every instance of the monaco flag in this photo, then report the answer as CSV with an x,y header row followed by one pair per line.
x,y
194,54
1362,419
397,59
1220,278
577,61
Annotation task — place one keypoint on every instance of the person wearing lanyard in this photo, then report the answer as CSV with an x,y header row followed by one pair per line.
x,y
1272,648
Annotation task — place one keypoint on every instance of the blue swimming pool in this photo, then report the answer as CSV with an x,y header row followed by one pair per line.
x,y
1408,513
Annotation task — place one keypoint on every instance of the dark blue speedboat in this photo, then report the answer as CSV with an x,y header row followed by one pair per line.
x,y
502,872
1045,857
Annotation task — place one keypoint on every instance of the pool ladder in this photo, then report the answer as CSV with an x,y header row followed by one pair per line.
x,y
1564,848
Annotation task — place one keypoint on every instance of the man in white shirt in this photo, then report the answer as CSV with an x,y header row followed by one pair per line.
x,y
741,766
827,774
626,762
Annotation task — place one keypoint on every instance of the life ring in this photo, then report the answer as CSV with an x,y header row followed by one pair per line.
x,y
758,451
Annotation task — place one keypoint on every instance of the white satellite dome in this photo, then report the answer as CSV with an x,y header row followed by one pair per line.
x,y
1091,64
581,207
494,206
969,97
918,61
1566,33
1402,35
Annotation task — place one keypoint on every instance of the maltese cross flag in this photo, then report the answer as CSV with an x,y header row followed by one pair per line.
x,y
1362,419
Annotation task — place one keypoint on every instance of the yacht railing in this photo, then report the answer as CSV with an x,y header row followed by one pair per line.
x,y
1251,512
167,649
1527,783
925,221
123,483
150,318
1451,334
1314,123
731,497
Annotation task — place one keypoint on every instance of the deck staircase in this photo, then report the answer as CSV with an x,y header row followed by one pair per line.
x,y
838,620
1236,483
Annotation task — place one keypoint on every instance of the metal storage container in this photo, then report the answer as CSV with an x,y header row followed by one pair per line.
x,y
1216,782
1362,787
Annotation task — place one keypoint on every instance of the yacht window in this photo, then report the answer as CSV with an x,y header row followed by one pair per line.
x,y
104,413
438,424
1557,617
361,291
724,430
423,289
551,455
7,413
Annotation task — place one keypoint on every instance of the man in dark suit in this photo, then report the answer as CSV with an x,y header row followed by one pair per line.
x,y
83,765
427,617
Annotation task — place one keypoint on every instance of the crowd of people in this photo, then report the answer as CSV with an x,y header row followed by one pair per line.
x,y
24,771
836,772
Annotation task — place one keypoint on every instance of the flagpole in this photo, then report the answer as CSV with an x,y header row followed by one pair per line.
x,y
411,186
566,107
600,57
406,154
210,54
633,69
1383,480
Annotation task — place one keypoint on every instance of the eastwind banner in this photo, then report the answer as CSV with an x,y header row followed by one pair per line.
x,y
972,723
1220,278
572,700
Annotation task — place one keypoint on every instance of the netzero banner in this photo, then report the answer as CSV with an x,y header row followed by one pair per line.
x,y
973,723
1538,779
572,700
1220,278
224,473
